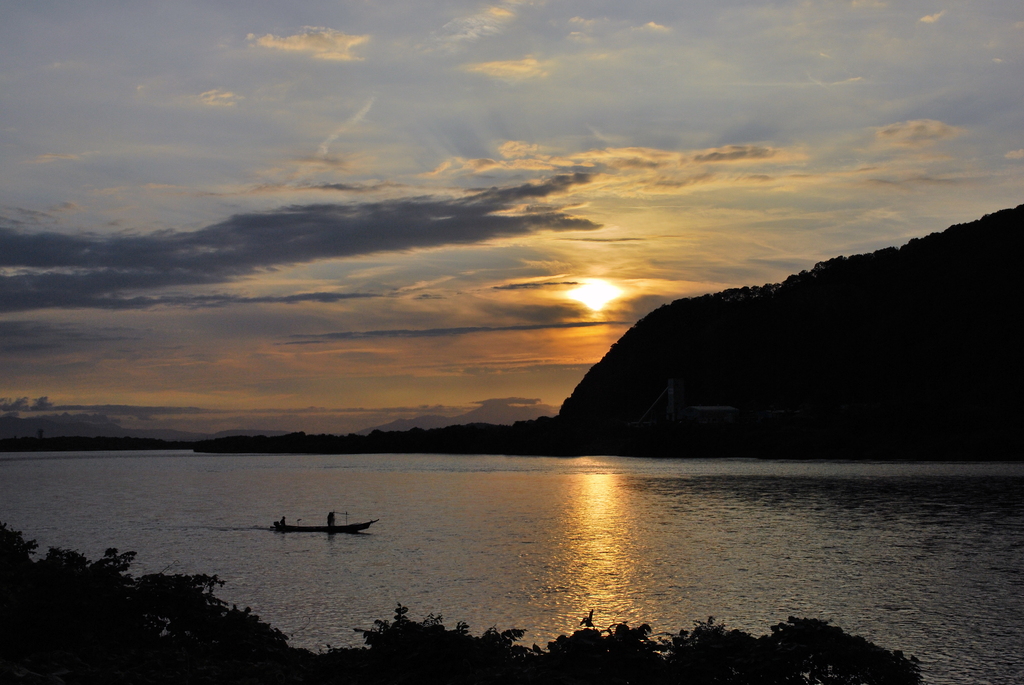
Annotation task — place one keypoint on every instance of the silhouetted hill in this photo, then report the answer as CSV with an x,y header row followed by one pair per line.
x,y
926,330
909,353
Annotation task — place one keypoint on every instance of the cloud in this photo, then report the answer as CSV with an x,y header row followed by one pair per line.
x,y
506,410
488,22
733,153
8,404
917,179
510,70
534,285
54,157
1015,154
19,337
932,18
652,27
320,43
218,98
320,338
684,182
512,149
641,170
106,410
633,158
55,270
115,302
916,133
356,188
351,121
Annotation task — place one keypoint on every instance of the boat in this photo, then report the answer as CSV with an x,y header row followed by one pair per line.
x,y
347,528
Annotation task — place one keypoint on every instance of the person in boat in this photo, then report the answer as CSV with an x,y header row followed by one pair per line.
x,y
281,522
330,520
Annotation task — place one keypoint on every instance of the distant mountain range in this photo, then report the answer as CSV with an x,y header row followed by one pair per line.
x,y
502,411
498,411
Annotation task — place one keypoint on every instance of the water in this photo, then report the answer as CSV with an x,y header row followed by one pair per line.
x,y
924,557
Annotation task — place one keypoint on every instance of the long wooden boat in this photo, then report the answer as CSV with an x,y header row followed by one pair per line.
x,y
349,528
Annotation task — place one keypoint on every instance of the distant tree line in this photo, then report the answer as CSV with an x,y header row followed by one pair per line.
x,y
824,433
67,619
857,432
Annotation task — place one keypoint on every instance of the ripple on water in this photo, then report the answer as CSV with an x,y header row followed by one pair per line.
x,y
927,558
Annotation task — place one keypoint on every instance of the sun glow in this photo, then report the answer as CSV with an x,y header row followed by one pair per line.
x,y
595,294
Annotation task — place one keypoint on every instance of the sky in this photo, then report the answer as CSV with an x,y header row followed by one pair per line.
x,y
324,216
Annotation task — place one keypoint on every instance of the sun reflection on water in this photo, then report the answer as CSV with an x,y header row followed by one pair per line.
x,y
600,559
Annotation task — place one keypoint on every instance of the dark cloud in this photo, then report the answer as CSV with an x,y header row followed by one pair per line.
x,y
507,402
731,153
315,339
341,187
78,418
920,179
344,187
47,269
212,301
555,184
29,336
112,301
41,404
25,217
605,240
9,404
533,286
142,413
683,182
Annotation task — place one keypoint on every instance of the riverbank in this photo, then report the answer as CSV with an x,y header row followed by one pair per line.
x,y
876,433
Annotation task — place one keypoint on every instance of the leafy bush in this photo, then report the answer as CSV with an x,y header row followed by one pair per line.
x,y
90,622
800,651
66,602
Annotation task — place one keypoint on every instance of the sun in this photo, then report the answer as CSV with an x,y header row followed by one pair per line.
x,y
595,294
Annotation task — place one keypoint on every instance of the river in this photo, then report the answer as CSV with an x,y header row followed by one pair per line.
x,y
925,557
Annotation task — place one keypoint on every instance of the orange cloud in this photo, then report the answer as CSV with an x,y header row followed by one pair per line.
x,y
320,43
916,132
218,98
53,157
510,70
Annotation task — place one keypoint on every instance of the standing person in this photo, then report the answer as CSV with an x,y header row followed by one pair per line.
x,y
330,520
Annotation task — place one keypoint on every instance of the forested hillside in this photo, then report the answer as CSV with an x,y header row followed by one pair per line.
x,y
930,326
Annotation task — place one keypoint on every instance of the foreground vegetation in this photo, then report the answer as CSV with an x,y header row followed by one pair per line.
x,y
66,619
